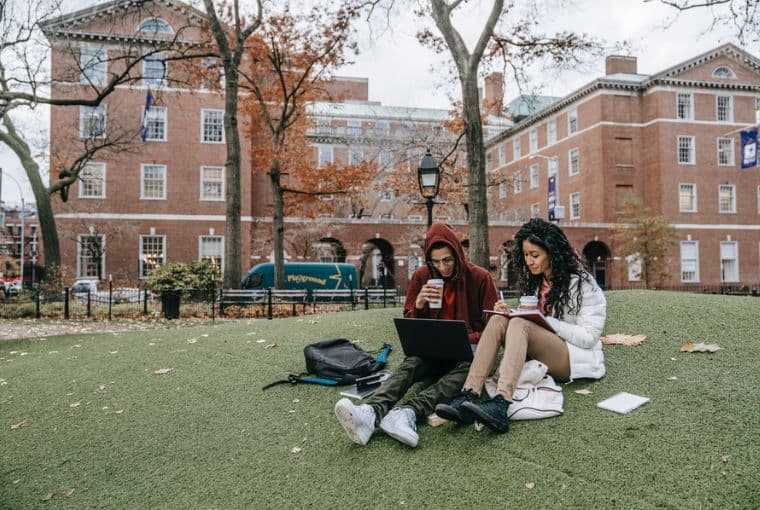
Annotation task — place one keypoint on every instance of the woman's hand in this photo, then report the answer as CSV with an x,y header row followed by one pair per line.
x,y
427,293
501,306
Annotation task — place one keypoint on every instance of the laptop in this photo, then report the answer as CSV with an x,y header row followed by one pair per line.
x,y
434,339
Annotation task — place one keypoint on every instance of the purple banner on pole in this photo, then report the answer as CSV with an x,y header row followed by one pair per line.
x,y
551,196
749,148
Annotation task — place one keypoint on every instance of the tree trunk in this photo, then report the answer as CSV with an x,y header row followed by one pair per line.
x,y
278,225
478,207
232,245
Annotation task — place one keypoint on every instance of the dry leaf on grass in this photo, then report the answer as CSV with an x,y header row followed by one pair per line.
x,y
269,346
690,346
584,391
75,404
69,493
530,485
7,400
295,450
162,371
725,458
47,497
623,339
16,426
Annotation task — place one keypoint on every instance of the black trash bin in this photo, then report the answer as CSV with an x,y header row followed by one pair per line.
x,y
170,303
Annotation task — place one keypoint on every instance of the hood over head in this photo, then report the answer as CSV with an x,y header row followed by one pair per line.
x,y
443,233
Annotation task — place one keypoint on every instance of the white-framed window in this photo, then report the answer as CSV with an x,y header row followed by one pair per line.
x,y
729,261
757,110
723,72
324,155
154,71
382,128
155,26
323,126
387,195
517,182
212,126
575,206
684,106
152,253
533,176
687,197
686,150
551,131
384,158
689,261
727,198
516,150
758,200
353,127
152,182
726,152
553,166
412,263
502,154
92,121
156,124
355,155
572,121
91,256
386,216
533,140
724,111
502,189
93,181
212,248
573,162
633,262
212,183
535,210
93,61
409,127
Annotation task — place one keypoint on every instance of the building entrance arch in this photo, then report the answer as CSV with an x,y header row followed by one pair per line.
x,y
596,254
376,269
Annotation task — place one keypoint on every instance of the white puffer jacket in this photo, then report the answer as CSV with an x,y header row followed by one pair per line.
x,y
583,329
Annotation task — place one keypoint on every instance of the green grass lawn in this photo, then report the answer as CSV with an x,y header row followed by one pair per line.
x,y
97,421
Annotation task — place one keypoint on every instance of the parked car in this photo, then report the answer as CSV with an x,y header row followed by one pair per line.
x,y
81,288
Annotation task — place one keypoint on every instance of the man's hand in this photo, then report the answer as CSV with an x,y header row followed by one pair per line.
x,y
427,293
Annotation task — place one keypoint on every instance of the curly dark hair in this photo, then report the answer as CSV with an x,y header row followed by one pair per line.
x,y
565,263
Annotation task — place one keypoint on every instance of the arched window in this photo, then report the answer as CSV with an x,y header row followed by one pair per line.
x,y
723,72
155,26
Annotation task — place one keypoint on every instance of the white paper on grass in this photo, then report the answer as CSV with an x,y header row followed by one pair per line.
x,y
623,402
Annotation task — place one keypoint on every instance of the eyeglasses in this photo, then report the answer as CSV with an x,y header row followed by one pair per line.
x,y
446,261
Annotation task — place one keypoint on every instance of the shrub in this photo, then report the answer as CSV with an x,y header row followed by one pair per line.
x,y
201,274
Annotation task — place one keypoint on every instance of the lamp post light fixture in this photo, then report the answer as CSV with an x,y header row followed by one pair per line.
x,y
429,177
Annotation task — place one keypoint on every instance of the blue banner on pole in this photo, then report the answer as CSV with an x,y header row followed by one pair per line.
x,y
551,196
749,148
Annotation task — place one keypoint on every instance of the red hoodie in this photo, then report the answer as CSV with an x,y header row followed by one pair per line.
x,y
473,286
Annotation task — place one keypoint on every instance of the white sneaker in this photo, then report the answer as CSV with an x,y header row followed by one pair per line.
x,y
400,424
357,421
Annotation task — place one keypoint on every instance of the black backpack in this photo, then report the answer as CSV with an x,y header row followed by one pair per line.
x,y
337,362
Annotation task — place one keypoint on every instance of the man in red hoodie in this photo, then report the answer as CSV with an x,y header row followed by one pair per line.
x,y
467,291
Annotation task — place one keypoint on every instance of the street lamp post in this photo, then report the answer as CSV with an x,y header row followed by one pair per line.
x,y
21,215
429,177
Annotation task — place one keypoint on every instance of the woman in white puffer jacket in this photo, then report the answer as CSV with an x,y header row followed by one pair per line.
x,y
575,308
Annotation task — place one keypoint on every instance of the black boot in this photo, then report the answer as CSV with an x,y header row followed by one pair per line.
x,y
492,413
453,411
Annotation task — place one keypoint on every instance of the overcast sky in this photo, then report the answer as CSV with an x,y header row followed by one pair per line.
x,y
403,73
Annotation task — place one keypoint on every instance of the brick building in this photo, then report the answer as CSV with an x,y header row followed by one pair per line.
x,y
164,200
672,139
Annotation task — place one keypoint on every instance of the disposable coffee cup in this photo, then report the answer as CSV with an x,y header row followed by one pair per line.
x,y
528,302
438,302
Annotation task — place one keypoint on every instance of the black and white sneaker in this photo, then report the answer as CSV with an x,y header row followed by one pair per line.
x,y
454,410
492,413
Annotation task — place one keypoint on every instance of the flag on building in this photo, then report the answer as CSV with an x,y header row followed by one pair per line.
x,y
749,148
551,196
144,127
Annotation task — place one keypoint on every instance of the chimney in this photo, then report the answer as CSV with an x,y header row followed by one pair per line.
x,y
620,64
493,97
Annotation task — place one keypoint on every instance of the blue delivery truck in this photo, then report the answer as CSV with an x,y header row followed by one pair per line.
x,y
303,275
